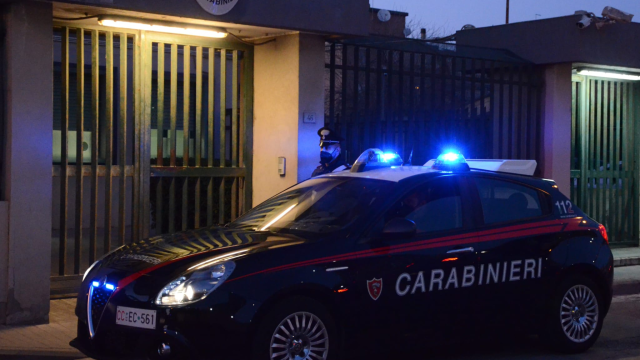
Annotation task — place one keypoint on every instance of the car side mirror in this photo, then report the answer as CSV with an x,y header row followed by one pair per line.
x,y
399,228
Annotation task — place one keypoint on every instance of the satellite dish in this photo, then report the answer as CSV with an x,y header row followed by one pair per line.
x,y
468,27
407,32
384,15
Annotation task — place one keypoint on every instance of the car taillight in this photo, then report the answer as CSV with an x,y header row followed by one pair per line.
x,y
603,231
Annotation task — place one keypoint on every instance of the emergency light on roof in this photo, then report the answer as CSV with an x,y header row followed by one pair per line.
x,y
450,161
375,159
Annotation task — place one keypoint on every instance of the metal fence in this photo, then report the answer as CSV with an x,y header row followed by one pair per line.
x,y
420,99
151,135
604,151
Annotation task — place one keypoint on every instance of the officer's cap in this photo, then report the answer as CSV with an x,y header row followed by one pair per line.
x,y
328,136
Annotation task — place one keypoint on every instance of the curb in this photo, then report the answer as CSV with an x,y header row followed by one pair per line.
x,y
67,353
626,288
628,261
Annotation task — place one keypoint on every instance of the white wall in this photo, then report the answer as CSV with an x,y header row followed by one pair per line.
x,y
29,110
556,125
288,81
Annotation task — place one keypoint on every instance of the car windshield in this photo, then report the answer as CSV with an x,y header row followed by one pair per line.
x,y
318,205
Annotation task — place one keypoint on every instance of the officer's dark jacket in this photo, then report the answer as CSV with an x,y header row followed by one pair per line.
x,y
325,169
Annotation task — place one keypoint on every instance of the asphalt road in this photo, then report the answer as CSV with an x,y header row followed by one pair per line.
x,y
620,339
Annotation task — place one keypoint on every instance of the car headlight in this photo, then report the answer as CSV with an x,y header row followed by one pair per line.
x,y
196,285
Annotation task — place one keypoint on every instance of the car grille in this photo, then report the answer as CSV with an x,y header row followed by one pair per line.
x,y
99,299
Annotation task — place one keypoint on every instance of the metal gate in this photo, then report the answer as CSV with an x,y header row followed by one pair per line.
x,y
604,175
420,99
144,141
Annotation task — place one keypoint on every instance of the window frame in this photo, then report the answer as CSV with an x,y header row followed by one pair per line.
x,y
544,199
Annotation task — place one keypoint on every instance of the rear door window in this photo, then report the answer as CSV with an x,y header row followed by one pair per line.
x,y
504,201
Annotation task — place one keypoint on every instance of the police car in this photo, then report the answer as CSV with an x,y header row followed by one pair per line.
x,y
381,249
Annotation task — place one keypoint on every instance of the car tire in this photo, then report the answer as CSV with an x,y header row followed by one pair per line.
x,y
282,331
575,316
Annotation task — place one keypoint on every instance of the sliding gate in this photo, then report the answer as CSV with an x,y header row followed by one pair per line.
x,y
151,133
604,143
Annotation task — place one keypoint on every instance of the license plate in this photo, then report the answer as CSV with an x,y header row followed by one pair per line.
x,y
139,318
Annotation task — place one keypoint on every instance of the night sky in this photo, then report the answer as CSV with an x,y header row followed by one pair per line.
x,y
447,16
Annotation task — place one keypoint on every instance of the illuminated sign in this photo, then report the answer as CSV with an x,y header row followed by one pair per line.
x,y
217,7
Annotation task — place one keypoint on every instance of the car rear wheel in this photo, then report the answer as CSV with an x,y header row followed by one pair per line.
x,y
296,329
575,318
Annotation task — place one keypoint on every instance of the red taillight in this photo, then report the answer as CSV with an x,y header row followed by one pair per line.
x,y
603,231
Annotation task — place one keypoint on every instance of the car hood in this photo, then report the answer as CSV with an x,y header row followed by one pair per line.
x,y
150,253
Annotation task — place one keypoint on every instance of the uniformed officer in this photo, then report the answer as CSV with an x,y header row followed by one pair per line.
x,y
331,157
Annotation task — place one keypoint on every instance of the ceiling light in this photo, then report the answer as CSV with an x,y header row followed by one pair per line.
x,y
124,22
608,74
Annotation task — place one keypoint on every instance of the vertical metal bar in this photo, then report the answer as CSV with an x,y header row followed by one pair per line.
x,y
583,127
198,138
160,106
211,131
223,107
241,135
520,131
367,101
64,161
160,137
186,82
598,139
380,105
352,128
332,86
108,158
145,74
173,133
592,112
616,156
502,152
234,132
95,112
345,94
606,155
79,147
247,96
136,160
174,104
633,101
223,131
186,76
123,138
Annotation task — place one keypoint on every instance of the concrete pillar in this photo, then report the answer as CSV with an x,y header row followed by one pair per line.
x,y
28,160
288,82
556,125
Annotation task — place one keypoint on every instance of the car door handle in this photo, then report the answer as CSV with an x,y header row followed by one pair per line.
x,y
459,251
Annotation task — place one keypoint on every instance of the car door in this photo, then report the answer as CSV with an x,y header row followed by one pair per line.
x,y
514,241
418,283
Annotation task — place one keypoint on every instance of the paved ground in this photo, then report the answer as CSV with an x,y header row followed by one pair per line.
x,y
43,340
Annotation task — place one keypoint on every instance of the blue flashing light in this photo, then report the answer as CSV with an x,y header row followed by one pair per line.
x,y
110,286
450,156
375,159
388,156
451,161
95,284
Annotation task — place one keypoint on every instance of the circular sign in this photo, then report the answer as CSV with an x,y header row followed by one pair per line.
x,y
217,7
384,15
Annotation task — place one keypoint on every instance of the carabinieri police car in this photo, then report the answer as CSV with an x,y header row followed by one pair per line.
x,y
381,249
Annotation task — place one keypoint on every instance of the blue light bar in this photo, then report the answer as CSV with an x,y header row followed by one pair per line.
x,y
451,161
375,159
95,284
110,287
450,157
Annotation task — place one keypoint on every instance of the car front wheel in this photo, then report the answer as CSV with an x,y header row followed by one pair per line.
x,y
575,318
297,329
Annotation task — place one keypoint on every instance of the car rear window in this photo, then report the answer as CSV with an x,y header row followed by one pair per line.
x,y
504,201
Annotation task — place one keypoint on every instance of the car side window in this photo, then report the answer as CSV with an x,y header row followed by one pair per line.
x,y
504,201
435,206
